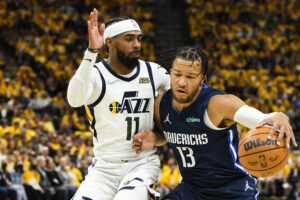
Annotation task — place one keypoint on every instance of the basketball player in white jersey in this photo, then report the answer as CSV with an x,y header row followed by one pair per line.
x,y
118,95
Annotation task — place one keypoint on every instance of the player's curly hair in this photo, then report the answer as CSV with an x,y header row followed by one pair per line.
x,y
186,53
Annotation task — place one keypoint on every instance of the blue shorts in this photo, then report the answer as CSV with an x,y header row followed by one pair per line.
x,y
239,189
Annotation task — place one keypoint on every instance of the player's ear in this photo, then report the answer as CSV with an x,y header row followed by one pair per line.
x,y
109,42
204,80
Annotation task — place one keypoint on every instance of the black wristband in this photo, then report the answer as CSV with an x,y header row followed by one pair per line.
x,y
94,50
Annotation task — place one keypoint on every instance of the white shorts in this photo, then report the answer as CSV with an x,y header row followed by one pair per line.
x,y
105,179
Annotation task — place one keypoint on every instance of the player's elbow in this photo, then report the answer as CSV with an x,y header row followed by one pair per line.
x,y
73,100
73,96
76,92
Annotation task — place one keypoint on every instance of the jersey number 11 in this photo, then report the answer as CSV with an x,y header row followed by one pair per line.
x,y
129,126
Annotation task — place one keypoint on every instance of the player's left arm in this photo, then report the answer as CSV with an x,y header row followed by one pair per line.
x,y
225,110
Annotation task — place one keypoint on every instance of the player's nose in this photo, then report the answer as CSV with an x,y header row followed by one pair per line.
x,y
182,82
136,44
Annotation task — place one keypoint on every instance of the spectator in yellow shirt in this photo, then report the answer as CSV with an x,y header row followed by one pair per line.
x,y
170,176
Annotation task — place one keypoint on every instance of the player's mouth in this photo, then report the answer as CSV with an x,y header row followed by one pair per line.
x,y
135,54
181,91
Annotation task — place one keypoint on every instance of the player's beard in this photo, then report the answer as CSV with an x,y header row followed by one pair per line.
x,y
130,63
189,98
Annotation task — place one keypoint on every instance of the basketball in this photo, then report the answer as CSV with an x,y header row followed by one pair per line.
x,y
260,156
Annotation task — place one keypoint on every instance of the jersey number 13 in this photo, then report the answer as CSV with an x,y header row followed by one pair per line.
x,y
187,156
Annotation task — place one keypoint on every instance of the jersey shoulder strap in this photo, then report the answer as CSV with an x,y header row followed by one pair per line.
x,y
151,77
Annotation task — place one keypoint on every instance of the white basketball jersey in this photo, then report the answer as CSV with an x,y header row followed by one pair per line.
x,y
125,107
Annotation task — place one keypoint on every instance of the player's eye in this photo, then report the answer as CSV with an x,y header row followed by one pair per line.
x,y
191,77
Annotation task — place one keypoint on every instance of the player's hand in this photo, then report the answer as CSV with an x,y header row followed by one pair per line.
x,y
280,122
143,140
96,39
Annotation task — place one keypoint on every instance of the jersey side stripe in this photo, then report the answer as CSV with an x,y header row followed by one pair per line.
x,y
233,152
151,77
237,164
93,121
88,113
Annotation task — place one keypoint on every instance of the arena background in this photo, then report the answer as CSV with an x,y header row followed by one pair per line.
x,y
254,51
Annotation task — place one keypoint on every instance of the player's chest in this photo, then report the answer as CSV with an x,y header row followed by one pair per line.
x,y
125,97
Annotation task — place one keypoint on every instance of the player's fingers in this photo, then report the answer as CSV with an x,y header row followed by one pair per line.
x,y
136,147
91,19
287,137
136,139
292,136
281,134
139,151
263,123
91,16
136,142
273,130
95,17
102,28
89,26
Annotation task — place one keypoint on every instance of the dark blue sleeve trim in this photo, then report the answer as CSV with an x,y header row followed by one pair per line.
x,y
103,89
151,77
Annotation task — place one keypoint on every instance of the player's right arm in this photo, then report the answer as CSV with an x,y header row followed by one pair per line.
x,y
81,89
148,138
225,110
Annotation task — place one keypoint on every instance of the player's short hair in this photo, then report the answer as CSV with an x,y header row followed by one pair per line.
x,y
115,20
189,53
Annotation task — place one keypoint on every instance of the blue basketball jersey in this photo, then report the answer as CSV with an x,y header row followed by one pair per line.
x,y
207,158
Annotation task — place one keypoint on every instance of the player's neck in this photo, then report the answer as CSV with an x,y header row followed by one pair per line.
x,y
117,66
180,106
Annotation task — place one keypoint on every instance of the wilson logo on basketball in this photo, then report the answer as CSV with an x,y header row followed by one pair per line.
x,y
258,143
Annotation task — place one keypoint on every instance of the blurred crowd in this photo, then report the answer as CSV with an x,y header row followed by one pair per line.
x,y
254,48
46,146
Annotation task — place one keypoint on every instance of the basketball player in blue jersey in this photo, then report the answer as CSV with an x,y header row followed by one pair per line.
x,y
199,124
118,95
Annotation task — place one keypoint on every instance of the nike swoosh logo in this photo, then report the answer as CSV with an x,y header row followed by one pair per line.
x,y
112,82
88,60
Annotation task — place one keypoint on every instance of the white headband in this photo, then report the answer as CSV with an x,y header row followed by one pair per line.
x,y
120,27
